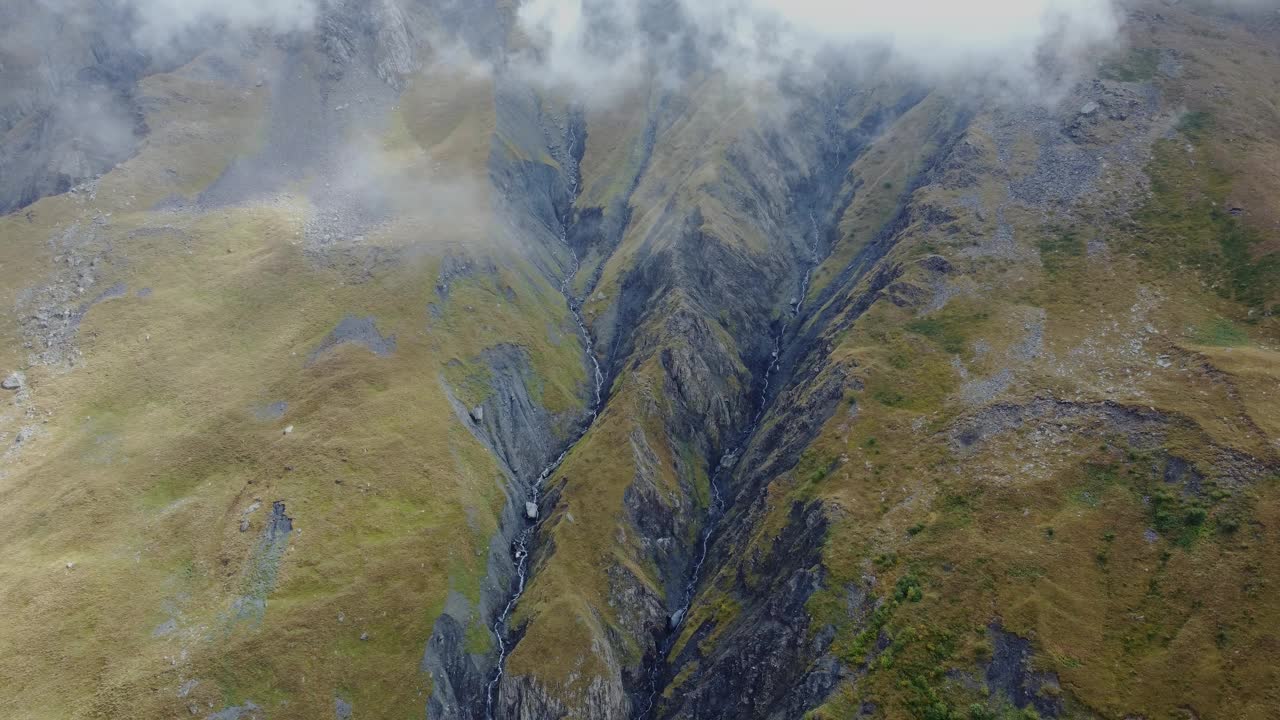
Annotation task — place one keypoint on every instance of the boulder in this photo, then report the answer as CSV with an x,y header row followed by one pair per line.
x,y
13,382
673,622
1089,108
477,413
531,510
936,264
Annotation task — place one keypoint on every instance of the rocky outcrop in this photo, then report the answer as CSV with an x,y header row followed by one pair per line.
x,y
522,433
394,56
264,565
1011,677
362,331
761,664
68,110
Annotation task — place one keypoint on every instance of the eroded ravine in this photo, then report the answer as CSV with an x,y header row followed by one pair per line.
x,y
521,546
715,510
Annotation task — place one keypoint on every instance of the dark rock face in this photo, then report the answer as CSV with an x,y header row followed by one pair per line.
x,y
356,331
1143,428
1183,474
520,430
458,680
1011,677
68,110
264,565
760,666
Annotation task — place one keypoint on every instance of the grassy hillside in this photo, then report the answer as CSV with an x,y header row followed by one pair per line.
x,y
182,374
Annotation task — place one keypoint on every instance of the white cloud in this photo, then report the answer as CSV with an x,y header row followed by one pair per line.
x,y
933,33
597,46
162,21
584,46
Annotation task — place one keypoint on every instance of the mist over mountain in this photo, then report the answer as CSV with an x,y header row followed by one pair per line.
x,y
639,360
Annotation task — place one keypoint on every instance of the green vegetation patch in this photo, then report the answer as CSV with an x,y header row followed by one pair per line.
x,y
1221,333
1196,125
1138,65
949,330
1189,224
479,638
471,380
1059,249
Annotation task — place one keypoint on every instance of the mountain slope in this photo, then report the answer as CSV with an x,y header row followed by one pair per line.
x,y
915,399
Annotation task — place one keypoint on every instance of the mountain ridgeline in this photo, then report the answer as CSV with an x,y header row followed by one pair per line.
x,y
359,368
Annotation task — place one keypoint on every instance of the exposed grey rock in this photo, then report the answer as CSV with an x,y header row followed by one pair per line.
x,y
393,49
357,331
520,431
763,665
457,267
264,565
248,711
522,698
272,411
68,104
1011,676
164,629
51,313
935,264
985,390
1089,108
341,709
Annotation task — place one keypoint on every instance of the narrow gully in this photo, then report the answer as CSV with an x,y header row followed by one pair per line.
x,y
716,509
523,541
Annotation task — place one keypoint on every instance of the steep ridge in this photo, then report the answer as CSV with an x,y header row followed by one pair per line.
x,y
808,389
523,543
535,198
843,586
699,427
767,669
